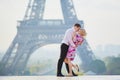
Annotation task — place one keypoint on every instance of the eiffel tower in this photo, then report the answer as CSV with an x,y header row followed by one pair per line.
x,y
34,32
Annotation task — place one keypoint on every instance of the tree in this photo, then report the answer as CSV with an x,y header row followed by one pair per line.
x,y
98,66
113,65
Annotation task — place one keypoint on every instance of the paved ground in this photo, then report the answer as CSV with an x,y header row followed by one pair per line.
x,y
59,78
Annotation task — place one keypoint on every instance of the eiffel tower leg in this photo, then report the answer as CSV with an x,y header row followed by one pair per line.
x,y
9,54
86,55
14,50
21,59
17,62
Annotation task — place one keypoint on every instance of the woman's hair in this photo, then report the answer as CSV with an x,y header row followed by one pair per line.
x,y
82,32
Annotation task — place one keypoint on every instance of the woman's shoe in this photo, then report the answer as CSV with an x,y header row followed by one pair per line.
x,y
77,68
74,74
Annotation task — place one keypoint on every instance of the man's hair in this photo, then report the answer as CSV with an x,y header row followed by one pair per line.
x,y
78,25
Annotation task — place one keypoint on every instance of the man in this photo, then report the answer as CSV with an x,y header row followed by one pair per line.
x,y
67,40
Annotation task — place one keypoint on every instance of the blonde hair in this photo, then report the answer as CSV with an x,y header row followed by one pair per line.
x,y
82,32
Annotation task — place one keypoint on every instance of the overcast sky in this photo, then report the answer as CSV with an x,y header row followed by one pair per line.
x,y
101,18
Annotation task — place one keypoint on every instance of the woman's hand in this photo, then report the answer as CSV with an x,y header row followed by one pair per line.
x,y
79,43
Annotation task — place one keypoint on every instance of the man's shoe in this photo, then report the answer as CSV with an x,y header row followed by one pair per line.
x,y
60,75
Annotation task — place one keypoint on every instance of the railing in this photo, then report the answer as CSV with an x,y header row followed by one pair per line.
x,y
39,22
51,22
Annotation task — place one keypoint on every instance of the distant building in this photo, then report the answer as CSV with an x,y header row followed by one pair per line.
x,y
107,50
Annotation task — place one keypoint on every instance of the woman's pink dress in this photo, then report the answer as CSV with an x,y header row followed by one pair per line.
x,y
71,51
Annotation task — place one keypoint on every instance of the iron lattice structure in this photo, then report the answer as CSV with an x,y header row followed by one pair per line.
x,y
34,32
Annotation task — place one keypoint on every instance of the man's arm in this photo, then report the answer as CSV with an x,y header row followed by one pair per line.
x,y
70,38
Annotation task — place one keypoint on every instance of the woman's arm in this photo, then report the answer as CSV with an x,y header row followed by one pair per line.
x,y
80,42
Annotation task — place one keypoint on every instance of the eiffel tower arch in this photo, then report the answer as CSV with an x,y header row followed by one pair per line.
x,y
34,32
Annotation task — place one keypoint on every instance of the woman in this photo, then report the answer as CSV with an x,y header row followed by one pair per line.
x,y
78,40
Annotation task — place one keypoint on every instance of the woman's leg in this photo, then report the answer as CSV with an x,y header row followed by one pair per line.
x,y
66,60
76,67
69,65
